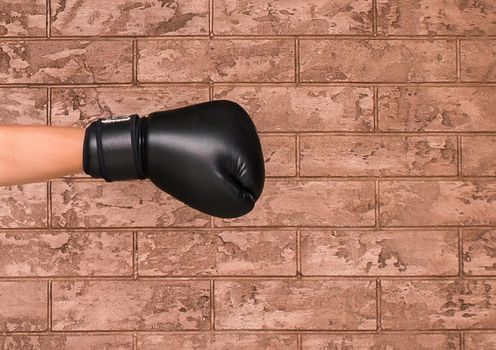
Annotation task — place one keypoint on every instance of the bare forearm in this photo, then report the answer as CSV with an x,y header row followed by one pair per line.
x,y
39,153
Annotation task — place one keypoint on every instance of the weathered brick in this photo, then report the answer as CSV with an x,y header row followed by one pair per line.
x,y
23,306
123,17
385,253
304,304
311,202
323,155
325,60
262,17
427,203
217,253
66,61
130,305
216,60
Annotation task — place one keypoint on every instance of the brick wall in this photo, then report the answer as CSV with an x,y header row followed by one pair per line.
x,y
376,226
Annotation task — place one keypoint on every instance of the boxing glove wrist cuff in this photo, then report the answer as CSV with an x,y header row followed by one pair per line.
x,y
113,148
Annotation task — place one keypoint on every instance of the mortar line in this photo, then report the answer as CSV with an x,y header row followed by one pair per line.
x,y
212,305
377,206
460,253
374,18
261,83
135,255
295,332
287,278
48,19
298,156
135,341
242,228
462,340
458,60
299,342
50,307
460,156
379,305
297,61
254,37
135,62
211,19
376,109
299,272
49,206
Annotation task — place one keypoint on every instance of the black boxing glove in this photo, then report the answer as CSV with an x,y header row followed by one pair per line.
x,y
207,155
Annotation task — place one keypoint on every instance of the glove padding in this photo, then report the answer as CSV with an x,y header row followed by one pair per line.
x,y
206,155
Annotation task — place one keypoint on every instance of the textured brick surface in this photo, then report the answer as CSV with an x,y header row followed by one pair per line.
x,y
217,60
377,156
265,17
311,202
24,306
389,342
418,203
141,305
438,304
66,61
272,304
394,60
20,18
437,109
436,17
122,17
67,342
395,253
220,341
217,253
42,253
376,228
473,67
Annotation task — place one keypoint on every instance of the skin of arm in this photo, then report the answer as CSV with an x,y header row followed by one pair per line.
x,y
31,153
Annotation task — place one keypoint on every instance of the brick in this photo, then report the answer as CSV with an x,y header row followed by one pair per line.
x,y
304,108
394,60
66,61
478,155
24,206
23,306
216,60
477,341
289,17
80,106
23,106
130,305
437,109
23,18
458,304
67,342
133,203
217,253
295,304
66,254
217,341
323,155
454,203
383,341
306,202
436,17
279,155
121,17
383,253
473,68
479,251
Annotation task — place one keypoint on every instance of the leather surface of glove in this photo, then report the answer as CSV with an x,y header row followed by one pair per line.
x,y
206,155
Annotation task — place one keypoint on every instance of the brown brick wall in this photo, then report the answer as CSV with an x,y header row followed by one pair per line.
x,y
377,225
